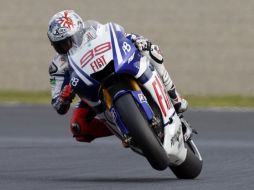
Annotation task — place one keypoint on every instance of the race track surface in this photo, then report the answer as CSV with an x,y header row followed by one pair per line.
x,y
38,152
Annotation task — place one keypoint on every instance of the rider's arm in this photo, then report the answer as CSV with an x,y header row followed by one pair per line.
x,y
59,80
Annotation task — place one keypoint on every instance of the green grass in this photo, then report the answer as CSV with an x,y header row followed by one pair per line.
x,y
25,97
194,101
220,101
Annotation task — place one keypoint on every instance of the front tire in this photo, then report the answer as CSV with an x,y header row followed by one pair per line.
x,y
141,132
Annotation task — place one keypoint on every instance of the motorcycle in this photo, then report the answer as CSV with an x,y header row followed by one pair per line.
x,y
122,84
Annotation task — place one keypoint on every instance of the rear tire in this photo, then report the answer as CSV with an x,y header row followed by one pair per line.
x,y
192,165
141,132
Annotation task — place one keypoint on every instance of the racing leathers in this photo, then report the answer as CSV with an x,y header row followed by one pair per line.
x,y
84,125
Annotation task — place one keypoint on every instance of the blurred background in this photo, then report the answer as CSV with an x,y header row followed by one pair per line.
x,y
208,45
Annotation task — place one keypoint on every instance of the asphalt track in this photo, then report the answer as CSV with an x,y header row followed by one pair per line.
x,y
38,152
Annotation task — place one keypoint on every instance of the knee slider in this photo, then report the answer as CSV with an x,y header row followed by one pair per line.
x,y
77,134
75,128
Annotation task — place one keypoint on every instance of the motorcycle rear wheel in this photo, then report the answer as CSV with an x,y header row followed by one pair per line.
x,y
192,165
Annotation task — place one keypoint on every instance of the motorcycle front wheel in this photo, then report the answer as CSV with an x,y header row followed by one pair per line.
x,y
141,132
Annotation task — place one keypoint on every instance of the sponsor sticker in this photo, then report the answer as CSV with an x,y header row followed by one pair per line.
x,y
142,98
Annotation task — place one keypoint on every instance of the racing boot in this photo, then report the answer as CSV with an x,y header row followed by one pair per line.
x,y
180,104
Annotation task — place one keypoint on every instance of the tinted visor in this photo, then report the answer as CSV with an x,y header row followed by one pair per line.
x,y
63,46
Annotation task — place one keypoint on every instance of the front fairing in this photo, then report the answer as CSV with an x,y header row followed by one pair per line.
x,y
110,44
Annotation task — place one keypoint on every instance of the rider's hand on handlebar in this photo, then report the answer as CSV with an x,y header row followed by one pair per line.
x,y
141,43
67,94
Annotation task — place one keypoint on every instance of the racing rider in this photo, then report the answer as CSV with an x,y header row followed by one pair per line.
x,y
66,29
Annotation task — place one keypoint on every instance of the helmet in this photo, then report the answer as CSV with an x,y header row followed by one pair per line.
x,y
65,30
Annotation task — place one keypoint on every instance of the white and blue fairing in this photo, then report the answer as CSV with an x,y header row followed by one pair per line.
x,y
94,55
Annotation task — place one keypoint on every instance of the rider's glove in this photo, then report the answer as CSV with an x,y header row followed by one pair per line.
x,y
67,95
142,44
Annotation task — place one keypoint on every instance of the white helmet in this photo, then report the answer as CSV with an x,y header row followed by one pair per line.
x,y
65,29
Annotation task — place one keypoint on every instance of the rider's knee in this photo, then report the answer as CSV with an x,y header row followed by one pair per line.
x,y
79,134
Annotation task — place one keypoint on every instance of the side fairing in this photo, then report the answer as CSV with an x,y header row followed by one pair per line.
x,y
125,54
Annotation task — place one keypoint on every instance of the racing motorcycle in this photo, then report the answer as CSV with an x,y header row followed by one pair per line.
x,y
122,83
